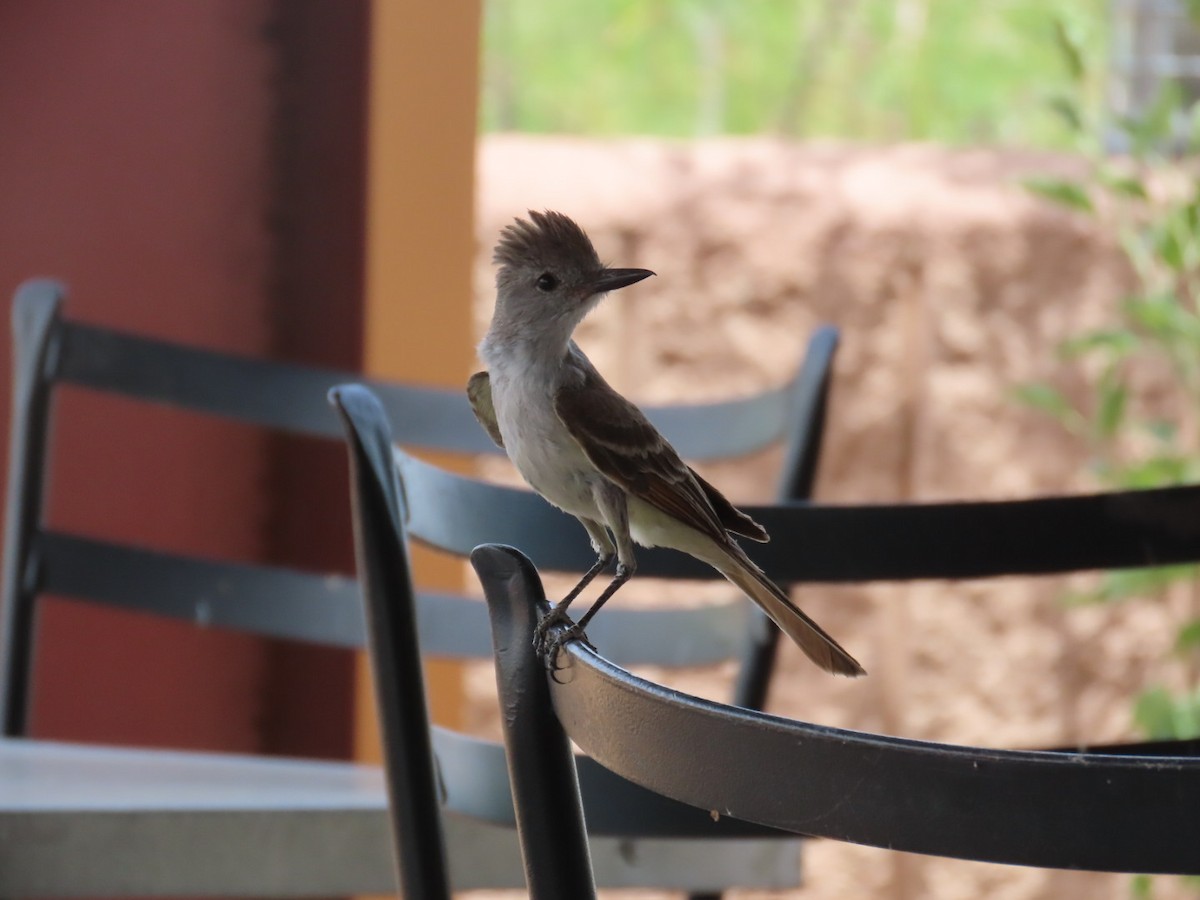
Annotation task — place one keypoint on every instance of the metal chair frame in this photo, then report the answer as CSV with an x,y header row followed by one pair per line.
x,y
1128,807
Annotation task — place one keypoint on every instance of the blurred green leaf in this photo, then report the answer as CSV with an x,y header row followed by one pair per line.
x,y
1163,716
1193,127
1169,247
1136,247
1188,637
1115,342
1112,401
1153,714
1070,49
1162,316
1065,193
1045,398
1153,129
1067,110
1189,215
1159,470
1128,124
1124,584
1119,585
1175,237
1122,183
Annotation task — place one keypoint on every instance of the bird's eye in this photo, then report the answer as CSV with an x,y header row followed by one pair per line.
x,y
547,282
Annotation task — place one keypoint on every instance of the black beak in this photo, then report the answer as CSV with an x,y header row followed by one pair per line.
x,y
611,279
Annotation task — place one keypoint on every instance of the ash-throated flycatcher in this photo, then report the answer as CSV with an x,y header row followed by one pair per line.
x,y
591,452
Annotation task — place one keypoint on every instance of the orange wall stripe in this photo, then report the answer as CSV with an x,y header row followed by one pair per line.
x,y
423,85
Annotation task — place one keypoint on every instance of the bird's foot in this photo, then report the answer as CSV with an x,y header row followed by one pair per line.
x,y
556,616
547,645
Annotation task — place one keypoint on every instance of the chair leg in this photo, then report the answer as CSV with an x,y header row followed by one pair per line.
x,y
36,329
541,764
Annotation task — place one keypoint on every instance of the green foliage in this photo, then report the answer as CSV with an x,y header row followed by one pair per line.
x,y
1157,327
1154,204
1188,638
1165,716
1071,49
1061,191
1114,342
1126,584
1050,400
866,69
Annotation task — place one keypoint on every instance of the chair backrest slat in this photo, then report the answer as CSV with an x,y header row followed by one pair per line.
x,y
273,602
248,389
677,636
832,544
724,429
269,393
1035,536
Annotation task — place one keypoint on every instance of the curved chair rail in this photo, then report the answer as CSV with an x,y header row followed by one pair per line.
x,y
1130,809
475,783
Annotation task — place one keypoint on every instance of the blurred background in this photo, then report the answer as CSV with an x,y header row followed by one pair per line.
x,y
995,202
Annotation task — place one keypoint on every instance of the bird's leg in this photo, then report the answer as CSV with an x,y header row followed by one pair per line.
x,y
604,556
575,631
624,572
605,552
613,507
558,615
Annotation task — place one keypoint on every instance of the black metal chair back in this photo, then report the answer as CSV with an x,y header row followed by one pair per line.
x,y
1114,808
39,560
50,350
265,600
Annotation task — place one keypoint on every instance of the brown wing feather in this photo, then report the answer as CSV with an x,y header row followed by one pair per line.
x,y
620,441
731,517
479,392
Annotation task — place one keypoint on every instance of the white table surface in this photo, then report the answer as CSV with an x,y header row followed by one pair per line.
x,y
84,820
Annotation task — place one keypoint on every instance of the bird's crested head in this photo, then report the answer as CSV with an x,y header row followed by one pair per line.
x,y
546,241
550,274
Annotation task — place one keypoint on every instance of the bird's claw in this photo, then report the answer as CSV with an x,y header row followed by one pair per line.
x,y
556,616
547,645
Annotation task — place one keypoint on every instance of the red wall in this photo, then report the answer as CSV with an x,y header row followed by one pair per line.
x,y
175,164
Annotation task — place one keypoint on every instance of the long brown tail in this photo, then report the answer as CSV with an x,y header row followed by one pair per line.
x,y
811,637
